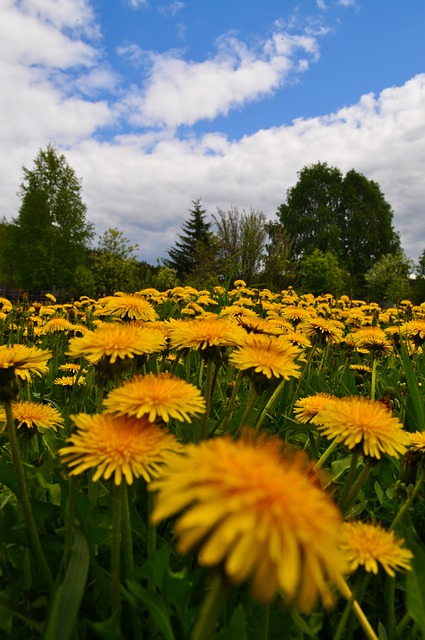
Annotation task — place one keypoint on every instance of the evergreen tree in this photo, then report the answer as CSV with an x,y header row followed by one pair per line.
x,y
195,247
50,234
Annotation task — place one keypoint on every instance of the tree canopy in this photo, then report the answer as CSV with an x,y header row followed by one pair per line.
x,y
50,236
346,215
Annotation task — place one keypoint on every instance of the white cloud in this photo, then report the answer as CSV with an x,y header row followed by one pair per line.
x,y
144,181
179,91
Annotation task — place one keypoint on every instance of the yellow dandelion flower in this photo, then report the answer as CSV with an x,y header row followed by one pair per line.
x,y
117,446
156,396
256,511
360,421
23,360
70,381
361,368
116,340
373,339
128,306
296,314
204,333
34,415
57,324
368,546
416,442
323,330
267,355
51,297
5,304
253,324
310,408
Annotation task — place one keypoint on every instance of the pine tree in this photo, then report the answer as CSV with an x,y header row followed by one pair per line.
x,y
195,246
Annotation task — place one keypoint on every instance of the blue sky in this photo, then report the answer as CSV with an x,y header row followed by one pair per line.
x,y
157,102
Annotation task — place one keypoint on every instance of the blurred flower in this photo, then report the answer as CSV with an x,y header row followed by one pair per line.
x,y
117,446
156,396
360,421
34,415
416,442
369,546
116,340
257,512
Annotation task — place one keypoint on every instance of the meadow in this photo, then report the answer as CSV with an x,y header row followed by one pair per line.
x,y
229,463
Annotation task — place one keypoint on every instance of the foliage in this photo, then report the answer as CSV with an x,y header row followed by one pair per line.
x,y
113,263
279,271
347,215
50,235
321,273
118,576
388,279
240,239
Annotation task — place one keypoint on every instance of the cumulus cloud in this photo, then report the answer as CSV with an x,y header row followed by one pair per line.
x,y
143,179
180,91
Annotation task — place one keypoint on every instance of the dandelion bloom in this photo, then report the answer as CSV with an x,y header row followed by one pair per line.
x,y
309,408
24,360
204,333
34,415
115,340
369,546
56,325
416,442
161,396
70,381
256,511
117,446
359,421
267,355
372,339
128,306
323,330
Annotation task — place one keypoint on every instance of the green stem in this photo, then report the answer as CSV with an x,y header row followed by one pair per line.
x,y
364,622
210,609
349,479
409,500
361,479
230,406
390,599
24,497
251,400
208,391
126,535
151,544
117,500
69,515
269,404
325,455
373,381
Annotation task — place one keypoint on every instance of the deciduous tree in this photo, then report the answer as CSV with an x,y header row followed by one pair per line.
x,y
51,233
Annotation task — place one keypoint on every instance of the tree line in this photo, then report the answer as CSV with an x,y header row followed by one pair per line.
x,y
333,234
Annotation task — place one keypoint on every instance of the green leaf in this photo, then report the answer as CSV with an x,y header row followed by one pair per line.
x,y
414,393
237,627
415,586
379,492
156,608
64,612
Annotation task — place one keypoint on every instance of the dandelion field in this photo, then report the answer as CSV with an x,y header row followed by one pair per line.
x,y
231,464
